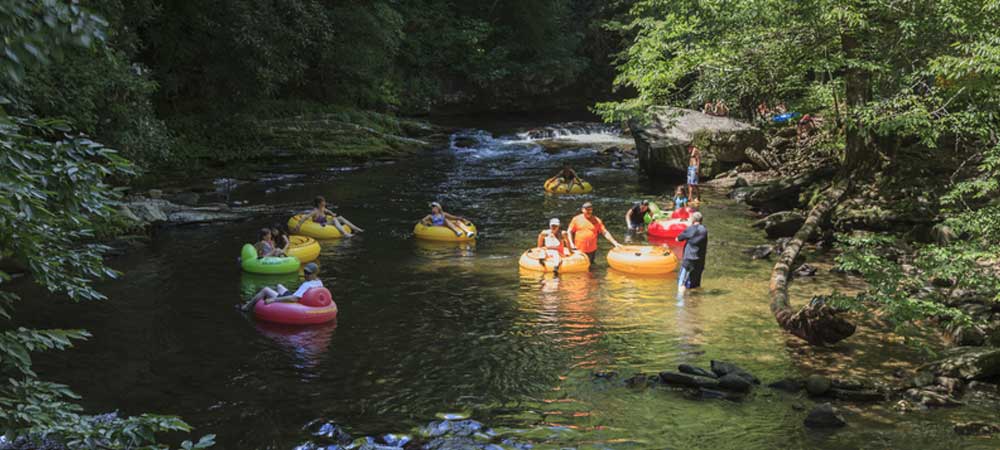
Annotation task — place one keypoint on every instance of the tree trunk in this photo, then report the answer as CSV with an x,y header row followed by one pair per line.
x,y
816,323
859,154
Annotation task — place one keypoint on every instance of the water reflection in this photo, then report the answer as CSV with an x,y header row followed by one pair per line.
x,y
309,344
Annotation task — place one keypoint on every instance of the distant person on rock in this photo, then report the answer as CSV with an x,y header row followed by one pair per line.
x,y
281,294
566,177
696,249
680,197
585,228
805,127
694,165
763,112
780,108
319,214
439,218
556,244
721,109
635,217
708,108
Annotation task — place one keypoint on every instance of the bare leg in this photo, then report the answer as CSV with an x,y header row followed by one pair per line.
x,y
348,222
336,224
267,292
451,225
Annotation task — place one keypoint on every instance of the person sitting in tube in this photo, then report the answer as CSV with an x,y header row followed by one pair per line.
x,y
265,246
566,177
281,294
439,218
556,244
320,214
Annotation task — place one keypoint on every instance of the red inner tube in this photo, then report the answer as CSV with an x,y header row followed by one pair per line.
x,y
315,306
667,228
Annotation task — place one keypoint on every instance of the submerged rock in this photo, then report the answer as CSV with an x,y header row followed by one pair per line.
x,y
788,385
662,142
466,427
817,385
824,416
976,429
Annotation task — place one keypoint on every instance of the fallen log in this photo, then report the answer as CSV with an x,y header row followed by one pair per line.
x,y
817,323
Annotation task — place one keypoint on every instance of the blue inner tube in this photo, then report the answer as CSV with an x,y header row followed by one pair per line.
x,y
782,118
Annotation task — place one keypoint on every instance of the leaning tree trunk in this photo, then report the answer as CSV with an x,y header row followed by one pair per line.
x,y
817,322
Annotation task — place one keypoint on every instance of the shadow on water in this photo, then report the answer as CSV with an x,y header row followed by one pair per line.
x,y
427,327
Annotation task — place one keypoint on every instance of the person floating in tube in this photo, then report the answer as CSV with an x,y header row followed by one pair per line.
x,y
439,218
585,228
566,177
281,294
556,244
319,214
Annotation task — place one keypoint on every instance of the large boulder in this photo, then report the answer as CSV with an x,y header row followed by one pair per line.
x,y
977,363
781,224
662,141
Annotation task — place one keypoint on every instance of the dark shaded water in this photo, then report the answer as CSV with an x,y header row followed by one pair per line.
x,y
432,328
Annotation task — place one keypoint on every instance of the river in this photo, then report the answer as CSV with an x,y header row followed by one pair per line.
x,y
426,329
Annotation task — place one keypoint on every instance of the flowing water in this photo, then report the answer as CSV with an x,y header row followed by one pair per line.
x,y
430,328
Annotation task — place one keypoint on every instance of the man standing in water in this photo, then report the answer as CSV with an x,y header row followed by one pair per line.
x,y
695,251
583,231
694,165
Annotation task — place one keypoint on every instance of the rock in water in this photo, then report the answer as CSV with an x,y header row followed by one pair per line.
x,y
662,143
817,385
735,382
781,224
680,379
722,368
692,370
824,416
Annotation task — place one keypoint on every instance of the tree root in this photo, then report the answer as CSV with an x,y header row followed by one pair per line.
x,y
817,323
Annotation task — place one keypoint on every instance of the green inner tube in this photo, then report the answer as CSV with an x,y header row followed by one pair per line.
x,y
654,213
267,265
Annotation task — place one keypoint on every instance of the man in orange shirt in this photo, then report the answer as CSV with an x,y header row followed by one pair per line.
x,y
585,227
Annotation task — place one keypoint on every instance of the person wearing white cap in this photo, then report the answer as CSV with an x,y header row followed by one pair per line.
x,y
556,244
281,294
439,218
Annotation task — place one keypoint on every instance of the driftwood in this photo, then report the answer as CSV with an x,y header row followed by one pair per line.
x,y
817,322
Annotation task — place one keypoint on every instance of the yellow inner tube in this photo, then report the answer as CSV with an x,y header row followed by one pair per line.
x,y
305,248
642,260
555,187
442,233
576,262
315,230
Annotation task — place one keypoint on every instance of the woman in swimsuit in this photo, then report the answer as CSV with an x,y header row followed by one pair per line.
x,y
319,214
439,218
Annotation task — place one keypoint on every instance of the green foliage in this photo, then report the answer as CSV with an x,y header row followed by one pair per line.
x,y
54,198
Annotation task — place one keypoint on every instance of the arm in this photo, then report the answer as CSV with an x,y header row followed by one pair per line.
x,y
426,220
688,233
302,220
609,237
567,242
628,218
453,217
329,213
541,240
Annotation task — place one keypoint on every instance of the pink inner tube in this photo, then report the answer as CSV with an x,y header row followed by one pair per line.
x,y
681,213
315,306
667,228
